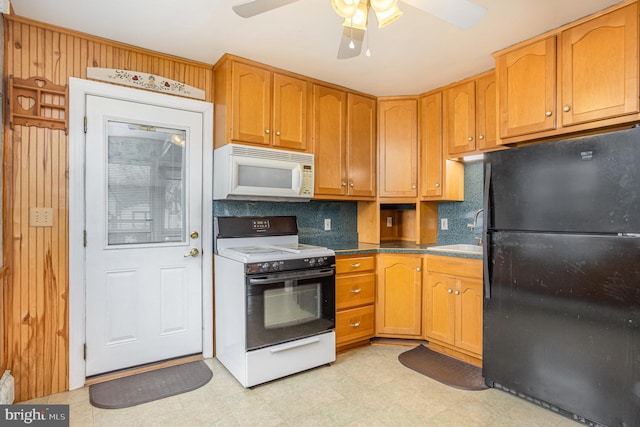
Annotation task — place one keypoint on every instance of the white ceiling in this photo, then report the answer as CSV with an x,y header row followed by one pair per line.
x,y
416,53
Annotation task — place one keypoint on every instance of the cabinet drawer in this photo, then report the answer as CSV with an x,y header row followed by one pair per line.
x,y
354,290
355,264
354,325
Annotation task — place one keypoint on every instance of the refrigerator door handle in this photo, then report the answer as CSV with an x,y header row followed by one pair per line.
x,y
485,265
486,238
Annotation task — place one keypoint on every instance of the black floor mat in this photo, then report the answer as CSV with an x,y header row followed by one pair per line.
x,y
444,369
149,386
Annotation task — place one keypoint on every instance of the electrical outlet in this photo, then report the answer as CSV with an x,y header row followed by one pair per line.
x,y
41,217
444,224
389,221
327,224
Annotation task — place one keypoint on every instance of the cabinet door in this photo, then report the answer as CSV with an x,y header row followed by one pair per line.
x,y
460,118
440,308
398,308
290,107
599,67
398,150
329,141
251,104
526,80
361,146
431,155
468,303
486,107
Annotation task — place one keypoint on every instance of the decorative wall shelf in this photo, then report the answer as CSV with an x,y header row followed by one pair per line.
x,y
37,102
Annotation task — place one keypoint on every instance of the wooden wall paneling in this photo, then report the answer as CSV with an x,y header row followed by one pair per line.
x,y
36,175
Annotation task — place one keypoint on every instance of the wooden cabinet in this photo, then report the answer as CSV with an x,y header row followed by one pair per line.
x,y
258,106
355,298
453,306
399,302
440,178
579,77
398,147
344,144
470,116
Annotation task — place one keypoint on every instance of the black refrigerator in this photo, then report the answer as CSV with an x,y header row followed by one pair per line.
x,y
562,276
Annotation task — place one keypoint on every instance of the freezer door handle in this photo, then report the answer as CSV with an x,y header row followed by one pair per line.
x,y
486,237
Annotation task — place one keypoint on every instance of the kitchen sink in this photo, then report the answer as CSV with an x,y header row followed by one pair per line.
x,y
460,248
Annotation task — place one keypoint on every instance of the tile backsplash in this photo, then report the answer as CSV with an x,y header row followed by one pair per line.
x,y
459,214
311,216
344,215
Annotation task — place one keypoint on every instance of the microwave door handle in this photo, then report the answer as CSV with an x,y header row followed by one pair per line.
x,y
297,179
275,278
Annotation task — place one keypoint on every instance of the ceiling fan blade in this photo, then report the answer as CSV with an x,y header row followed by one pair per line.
x,y
256,7
461,13
349,35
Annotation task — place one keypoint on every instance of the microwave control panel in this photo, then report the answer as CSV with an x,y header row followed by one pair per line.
x,y
307,180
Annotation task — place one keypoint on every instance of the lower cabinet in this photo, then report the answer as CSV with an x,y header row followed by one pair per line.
x,y
399,302
355,300
453,306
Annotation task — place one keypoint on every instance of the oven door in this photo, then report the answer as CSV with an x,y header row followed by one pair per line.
x,y
286,306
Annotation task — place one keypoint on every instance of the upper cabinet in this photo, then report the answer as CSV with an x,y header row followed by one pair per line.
x,y
470,116
344,139
440,179
255,105
580,77
398,147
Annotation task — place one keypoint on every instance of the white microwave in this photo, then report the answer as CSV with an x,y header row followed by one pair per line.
x,y
243,172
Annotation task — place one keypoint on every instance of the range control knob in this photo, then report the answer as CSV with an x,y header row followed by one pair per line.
x,y
312,262
275,265
320,261
264,267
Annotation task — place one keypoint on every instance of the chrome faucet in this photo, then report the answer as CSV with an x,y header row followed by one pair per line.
x,y
475,220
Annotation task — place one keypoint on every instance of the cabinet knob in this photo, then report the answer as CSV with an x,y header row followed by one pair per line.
x,y
470,139
267,131
437,184
481,137
566,108
344,184
457,292
354,325
548,113
351,184
277,133
418,269
413,186
449,291
355,291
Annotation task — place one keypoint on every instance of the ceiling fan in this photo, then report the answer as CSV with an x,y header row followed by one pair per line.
x,y
463,14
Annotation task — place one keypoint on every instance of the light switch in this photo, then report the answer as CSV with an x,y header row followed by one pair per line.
x,y
41,217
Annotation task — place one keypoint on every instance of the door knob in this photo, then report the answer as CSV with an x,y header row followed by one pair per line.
x,y
194,235
194,252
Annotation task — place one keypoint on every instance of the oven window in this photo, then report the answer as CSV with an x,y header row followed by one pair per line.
x,y
292,305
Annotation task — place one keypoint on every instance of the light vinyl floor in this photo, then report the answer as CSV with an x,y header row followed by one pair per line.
x,y
364,387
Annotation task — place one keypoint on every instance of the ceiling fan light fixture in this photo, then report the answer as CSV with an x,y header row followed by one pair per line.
x,y
388,16
360,18
383,5
345,8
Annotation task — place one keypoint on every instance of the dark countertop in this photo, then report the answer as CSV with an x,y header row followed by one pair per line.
x,y
400,247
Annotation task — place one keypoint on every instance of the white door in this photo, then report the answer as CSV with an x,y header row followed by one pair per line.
x,y
143,184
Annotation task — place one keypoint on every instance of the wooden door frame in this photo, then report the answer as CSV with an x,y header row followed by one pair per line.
x,y
78,90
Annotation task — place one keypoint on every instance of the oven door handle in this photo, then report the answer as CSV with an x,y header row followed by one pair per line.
x,y
299,275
